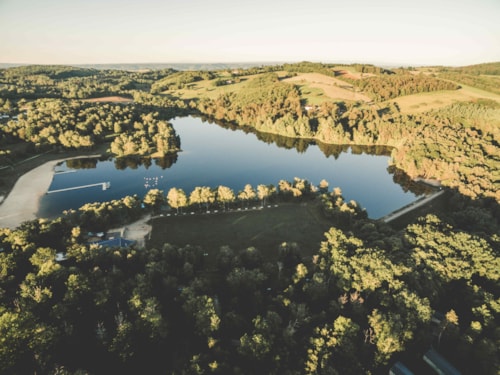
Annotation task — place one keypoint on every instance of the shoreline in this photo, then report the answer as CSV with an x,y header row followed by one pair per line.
x,y
23,201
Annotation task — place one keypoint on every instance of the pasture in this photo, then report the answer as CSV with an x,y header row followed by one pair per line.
x,y
333,88
427,101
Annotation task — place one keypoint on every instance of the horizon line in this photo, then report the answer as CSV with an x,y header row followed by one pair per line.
x,y
256,62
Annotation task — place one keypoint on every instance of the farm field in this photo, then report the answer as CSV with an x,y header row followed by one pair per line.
x,y
206,88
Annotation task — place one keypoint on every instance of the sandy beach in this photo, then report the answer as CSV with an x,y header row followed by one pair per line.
x,y
23,201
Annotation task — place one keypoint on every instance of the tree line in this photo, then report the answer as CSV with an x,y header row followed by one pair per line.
x,y
47,81
456,151
385,87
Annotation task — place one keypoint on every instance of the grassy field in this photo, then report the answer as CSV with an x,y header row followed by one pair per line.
x,y
424,102
207,89
264,229
315,88
333,88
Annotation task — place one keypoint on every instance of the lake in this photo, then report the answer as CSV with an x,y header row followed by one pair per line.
x,y
214,155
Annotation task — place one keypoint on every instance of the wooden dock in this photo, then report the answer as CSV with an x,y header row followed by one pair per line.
x,y
105,186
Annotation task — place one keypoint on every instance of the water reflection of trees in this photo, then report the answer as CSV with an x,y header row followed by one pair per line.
x,y
301,144
401,178
84,163
134,162
331,150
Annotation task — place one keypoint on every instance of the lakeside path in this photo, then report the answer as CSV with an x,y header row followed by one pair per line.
x,y
23,201
411,206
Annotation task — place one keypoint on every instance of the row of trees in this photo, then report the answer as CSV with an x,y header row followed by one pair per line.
x,y
385,87
204,197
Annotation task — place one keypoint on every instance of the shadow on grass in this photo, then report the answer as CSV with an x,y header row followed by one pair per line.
x,y
264,229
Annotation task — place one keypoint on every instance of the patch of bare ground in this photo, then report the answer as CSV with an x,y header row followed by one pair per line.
x,y
136,231
27,175
110,99
22,203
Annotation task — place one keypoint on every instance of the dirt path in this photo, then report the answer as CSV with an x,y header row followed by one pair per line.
x,y
136,231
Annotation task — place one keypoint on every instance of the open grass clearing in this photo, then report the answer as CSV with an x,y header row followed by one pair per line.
x,y
427,101
353,74
315,88
333,88
207,89
264,229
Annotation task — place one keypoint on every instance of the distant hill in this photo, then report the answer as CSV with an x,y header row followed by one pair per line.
x,y
492,68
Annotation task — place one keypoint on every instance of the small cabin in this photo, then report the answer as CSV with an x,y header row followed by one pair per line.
x,y
399,369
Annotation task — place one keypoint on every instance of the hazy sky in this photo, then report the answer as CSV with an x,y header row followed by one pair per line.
x,y
416,32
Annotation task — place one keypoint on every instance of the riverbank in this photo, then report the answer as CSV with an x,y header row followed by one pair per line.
x,y
22,202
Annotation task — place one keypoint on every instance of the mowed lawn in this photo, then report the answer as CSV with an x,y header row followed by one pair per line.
x,y
264,229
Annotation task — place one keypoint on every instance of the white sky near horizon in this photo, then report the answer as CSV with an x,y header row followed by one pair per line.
x,y
425,32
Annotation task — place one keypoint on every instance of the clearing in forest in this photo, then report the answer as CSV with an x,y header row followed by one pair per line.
x,y
332,87
264,229
427,101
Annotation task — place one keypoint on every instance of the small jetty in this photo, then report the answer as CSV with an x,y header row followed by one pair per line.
x,y
105,186
64,172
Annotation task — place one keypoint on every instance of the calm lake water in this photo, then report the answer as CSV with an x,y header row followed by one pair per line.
x,y
213,155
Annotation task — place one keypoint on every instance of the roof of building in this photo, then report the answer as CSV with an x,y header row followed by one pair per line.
x,y
439,363
115,242
399,369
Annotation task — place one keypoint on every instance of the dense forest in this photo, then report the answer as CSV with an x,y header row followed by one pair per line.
x,y
371,294
365,298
